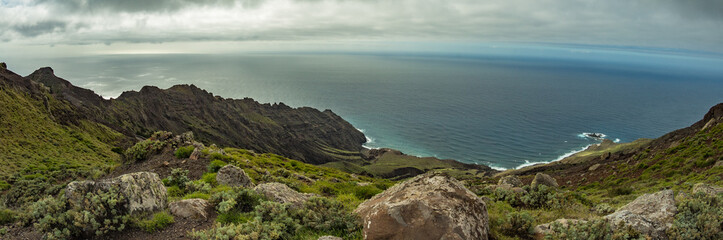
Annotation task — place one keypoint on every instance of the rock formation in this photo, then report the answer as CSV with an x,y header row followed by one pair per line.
x,y
233,176
190,208
144,190
279,192
650,214
429,206
544,179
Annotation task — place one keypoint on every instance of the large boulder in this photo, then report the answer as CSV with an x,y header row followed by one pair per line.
x,y
233,176
144,190
194,208
279,192
543,179
429,206
511,180
650,214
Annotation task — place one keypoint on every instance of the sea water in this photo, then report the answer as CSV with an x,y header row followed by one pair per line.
x,y
505,111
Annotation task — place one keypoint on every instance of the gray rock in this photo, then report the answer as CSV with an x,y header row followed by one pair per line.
x,y
707,189
594,167
195,208
650,214
544,179
511,179
330,238
429,206
196,154
144,190
279,192
233,176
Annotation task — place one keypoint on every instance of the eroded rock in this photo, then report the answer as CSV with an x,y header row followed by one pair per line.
x,y
511,179
429,206
279,192
707,189
195,208
233,176
544,179
144,190
650,214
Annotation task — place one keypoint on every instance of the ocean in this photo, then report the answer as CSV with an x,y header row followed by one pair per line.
x,y
504,110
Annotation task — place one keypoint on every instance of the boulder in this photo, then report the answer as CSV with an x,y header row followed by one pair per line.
x,y
650,214
144,190
196,154
233,176
194,208
330,238
303,178
544,179
279,192
511,179
594,167
429,206
707,189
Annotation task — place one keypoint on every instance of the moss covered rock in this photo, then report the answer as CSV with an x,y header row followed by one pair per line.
x,y
144,190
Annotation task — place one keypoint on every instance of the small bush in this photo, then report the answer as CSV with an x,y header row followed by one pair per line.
x,y
231,217
174,191
215,165
603,209
209,178
159,221
619,191
699,217
200,195
198,186
366,192
7,216
598,229
143,149
518,224
178,177
184,152
239,199
323,214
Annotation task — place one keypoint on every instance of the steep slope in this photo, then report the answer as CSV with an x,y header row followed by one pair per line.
x,y
40,144
301,133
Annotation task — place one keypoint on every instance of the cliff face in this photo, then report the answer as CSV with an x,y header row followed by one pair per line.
x,y
300,133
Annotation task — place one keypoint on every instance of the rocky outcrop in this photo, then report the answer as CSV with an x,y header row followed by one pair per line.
x,y
650,214
511,180
594,167
279,192
144,190
195,208
544,179
233,176
429,206
3,65
195,155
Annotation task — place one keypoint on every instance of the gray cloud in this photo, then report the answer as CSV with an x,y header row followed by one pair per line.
x,y
694,24
39,28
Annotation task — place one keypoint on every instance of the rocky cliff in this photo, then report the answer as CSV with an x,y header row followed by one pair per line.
x,y
303,133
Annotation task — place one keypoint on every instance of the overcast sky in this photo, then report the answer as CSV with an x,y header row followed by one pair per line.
x,y
74,26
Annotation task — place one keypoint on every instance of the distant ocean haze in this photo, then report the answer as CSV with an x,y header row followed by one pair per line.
x,y
502,111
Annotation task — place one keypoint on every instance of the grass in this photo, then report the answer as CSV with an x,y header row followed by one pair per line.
x,y
157,222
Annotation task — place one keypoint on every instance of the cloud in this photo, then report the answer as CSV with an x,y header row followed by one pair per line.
x,y
694,24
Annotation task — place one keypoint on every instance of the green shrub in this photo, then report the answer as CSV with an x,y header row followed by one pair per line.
x,y
143,149
231,217
184,152
209,178
178,177
174,191
159,221
215,165
518,224
603,209
366,192
323,214
200,195
597,229
7,216
239,199
96,213
272,221
699,217
619,191
198,186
